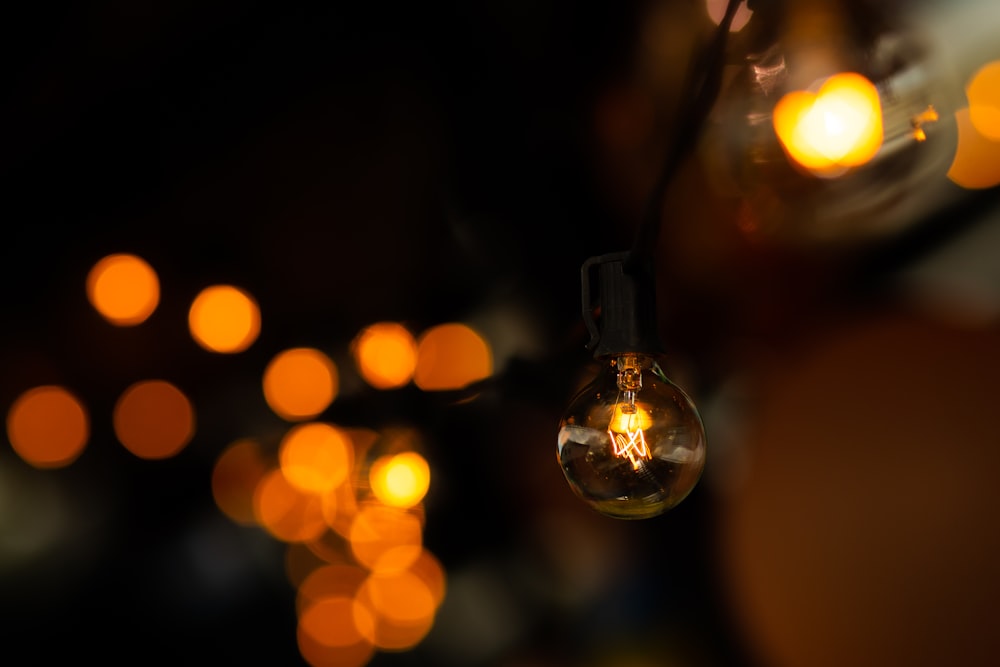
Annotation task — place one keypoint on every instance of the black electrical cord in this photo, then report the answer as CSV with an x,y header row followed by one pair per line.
x,y
701,89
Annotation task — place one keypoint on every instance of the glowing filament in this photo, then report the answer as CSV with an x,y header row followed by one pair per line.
x,y
630,444
627,421
917,122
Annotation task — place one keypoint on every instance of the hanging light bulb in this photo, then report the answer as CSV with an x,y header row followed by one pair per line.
x,y
631,443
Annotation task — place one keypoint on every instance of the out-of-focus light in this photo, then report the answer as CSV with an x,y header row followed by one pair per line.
x,y
123,288
717,9
983,93
153,419
316,457
835,127
431,572
337,621
300,383
976,165
404,609
224,319
286,512
385,354
400,480
48,426
322,620
451,356
326,581
855,151
235,475
386,539
339,507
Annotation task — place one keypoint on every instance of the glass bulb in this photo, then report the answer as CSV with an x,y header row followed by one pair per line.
x,y
631,443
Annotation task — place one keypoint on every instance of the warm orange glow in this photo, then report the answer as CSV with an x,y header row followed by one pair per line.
x,y
432,573
123,288
403,606
386,539
451,356
983,93
717,9
334,621
224,319
235,475
385,354
48,427
400,480
316,457
341,580
337,621
624,421
400,596
286,512
340,506
837,127
976,164
300,383
153,419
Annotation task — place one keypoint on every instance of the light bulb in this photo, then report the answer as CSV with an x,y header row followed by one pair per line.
x,y
631,443
829,129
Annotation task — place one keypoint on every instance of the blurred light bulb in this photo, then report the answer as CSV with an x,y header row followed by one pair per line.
x,y
829,129
631,444
833,129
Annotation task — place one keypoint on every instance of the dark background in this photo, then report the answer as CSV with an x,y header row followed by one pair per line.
x,y
433,162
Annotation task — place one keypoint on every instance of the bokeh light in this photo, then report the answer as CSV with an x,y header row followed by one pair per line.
x,y
400,480
123,288
48,426
386,539
717,10
300,383
432,573
154,419
976,164
286,512
224,319
451,356
835,127
325,581
337,621
404,609
235,476
983,93
385,354
316,457
350,618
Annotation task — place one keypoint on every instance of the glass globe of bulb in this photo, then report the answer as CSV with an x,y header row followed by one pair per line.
x,y
631,443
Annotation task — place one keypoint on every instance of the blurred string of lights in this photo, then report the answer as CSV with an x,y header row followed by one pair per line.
x,y
830,123
347,501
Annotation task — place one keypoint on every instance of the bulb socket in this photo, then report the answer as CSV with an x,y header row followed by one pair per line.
x,y
621,316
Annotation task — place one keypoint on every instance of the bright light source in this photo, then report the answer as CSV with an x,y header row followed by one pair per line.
x,y
983,93
837,127
224,319
451,356
300,383
123,288
400,480
153,419
386,355
48,427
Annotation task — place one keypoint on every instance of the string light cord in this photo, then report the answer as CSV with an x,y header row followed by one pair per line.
x,y
702,86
